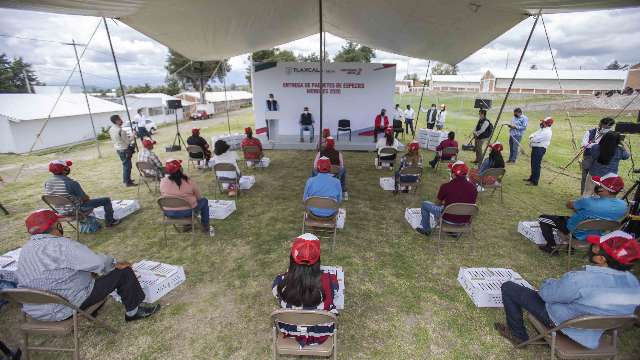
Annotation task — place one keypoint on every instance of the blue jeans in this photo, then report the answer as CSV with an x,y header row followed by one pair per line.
x,y
429,208
105,202
515,298
342,176
513,146
202,207
125,157
308,128
536,163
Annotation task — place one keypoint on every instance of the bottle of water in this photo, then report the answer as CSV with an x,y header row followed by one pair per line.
x,y
212,231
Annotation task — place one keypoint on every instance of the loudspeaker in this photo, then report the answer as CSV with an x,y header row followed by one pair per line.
x,y
482,104
174,104
173,148
628,127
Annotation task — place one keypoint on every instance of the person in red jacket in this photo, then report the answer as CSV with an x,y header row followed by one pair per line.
x,y
249,140
449,142
380,123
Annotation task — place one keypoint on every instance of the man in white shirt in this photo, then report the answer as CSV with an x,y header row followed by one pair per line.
x,y
408,120
141,125
397,114
590,138
124,145
539,142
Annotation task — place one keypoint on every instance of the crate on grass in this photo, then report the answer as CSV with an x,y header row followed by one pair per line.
x,y
263,163
121,209
483,284
246,182
9,265
221,209
156,279
531,230
387,183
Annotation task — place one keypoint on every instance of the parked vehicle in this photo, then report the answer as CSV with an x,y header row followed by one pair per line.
x,y
200,115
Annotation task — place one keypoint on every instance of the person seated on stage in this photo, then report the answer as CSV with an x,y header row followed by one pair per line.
x,y
272,104
305,286
306,124
323,185
411,158
176,183
458,190
494,161
51,262
389,141
249,140
196,139
221,154
380,123
605,288
61,184
329,151
147,155
448,142
603,206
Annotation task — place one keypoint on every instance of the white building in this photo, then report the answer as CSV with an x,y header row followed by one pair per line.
x,y
216,100
403,86
23,115
154,107
455,82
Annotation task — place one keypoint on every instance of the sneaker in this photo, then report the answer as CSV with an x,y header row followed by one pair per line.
x,y
144,311
113,223
548,249
511,161
527,179
422,231
504,331
531,184
130,184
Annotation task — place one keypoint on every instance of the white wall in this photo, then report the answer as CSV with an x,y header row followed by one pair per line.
x,y
552,84
6,138
457,84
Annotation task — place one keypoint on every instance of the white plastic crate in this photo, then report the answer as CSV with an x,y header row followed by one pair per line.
x,y
483,284
156,279
9,265
531,230
414,218
221,209
264,162
246,182
121,209
342,217
338,299
387,183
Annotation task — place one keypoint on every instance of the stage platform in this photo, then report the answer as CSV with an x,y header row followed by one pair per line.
x,y
292,142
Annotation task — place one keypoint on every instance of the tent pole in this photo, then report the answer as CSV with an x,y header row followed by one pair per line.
x,y
86,97
424,84
321,71
506,96
124,98
226,102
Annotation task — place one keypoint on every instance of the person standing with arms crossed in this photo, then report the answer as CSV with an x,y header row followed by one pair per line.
x,y
409,114
124,145
516,129
539,142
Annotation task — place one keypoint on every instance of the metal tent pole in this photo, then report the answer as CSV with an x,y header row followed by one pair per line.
x,y
321,70
226,102
424,84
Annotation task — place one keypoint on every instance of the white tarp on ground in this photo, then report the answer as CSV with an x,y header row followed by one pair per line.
x,y
447,31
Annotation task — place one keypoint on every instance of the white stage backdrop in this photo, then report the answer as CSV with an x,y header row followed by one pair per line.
x,y
353,91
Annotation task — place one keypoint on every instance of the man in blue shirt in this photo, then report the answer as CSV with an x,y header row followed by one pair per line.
x,y
604,206
517,128
605,288
323,185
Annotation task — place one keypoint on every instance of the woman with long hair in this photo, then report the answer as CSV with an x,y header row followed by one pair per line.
x,y
221,154
176,183
606,158
389,141
412,158
493,161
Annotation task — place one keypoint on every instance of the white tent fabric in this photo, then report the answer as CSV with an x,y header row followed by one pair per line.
x,y
447,31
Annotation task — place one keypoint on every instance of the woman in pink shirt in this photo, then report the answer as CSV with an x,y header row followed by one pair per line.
x,y
176,183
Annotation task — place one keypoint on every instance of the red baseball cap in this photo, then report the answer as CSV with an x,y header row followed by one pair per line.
x,y
496,146
40,221
172,166
330,142
548,121
459,168
306,249
388,131
621,246
195,130
413,146
610,182
59,166
324,164
248,130
148,143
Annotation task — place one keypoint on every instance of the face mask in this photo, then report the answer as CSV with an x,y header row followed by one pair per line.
x,y
541,125
605,130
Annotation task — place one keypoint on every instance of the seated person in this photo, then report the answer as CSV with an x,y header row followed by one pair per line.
x,y
249,140
411,158
176,183
494,161
51,262
389,141
448,142
605,288
306,124
323,139
272,104
305,286
196,139
61,184
221,154
323,185
336,159
604,206
147,155
458,190
380,123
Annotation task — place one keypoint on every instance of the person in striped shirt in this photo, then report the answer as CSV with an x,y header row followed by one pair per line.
x,y
147,155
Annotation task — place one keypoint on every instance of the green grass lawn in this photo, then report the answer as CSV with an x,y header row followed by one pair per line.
x,y
402,298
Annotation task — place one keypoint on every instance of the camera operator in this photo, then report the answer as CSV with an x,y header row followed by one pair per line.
x,y
590,138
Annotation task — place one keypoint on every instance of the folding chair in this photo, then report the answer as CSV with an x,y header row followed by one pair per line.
x,y
66,327
344,125
492,179
57,202
470,210
451,153
224,180
398,128
172,202
326,224
148,174
410,171
248,150
565,348
386,151
304,318
591,225
194,149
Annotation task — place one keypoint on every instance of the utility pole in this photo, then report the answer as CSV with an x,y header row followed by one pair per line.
x,y
26,81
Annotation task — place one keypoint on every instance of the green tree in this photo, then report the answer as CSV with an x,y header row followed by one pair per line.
x,y
412,76
194,73
313,57
352,52
614,65
14,75
173,87
274,54
6,74
444,69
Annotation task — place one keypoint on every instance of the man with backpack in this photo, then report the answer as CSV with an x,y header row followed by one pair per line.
x,y
482,133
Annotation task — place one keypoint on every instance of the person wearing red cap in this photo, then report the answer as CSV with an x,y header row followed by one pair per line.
x,y
51,262
323,185
306,286
147,155
605,288
176,183
458,190
604,206
493,161
196,139
249,140
389,141
449,142
380,123
335,157
125,147
62,185
539,142
412,158
606,156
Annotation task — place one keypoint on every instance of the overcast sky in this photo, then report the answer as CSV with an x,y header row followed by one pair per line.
x,y
587,40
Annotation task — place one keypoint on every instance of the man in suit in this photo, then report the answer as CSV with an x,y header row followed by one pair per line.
x,y
306,124
432,115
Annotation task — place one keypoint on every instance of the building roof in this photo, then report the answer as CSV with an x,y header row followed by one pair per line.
x,y
218,96
457,78
564,74
18,107
161,96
